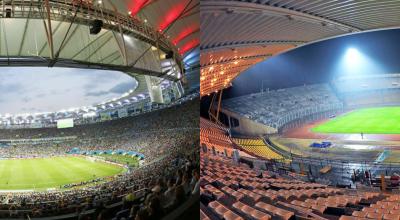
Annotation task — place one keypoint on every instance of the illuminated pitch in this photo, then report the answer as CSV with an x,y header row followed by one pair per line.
x,y
380,120
51,173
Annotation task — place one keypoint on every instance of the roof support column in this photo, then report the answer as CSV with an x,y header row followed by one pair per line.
x,y
48,29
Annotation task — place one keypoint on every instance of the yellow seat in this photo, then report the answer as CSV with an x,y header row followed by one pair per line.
x,y
257,147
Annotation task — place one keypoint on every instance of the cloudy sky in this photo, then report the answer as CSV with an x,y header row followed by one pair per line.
x,y
42,89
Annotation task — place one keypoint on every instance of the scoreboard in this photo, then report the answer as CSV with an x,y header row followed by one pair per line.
x,y
65,123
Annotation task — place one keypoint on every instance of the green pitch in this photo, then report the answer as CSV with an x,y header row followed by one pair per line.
x,y
382,120
43,173
122,159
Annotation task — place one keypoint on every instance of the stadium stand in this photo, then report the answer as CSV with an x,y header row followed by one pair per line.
x,y
257,147
276,108
213,134
215,138
230,190
167,180
369,90
367,82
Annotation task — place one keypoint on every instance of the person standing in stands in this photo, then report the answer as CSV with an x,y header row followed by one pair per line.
x,y
195,183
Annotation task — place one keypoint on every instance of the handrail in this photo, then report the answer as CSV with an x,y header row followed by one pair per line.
x,y
276,149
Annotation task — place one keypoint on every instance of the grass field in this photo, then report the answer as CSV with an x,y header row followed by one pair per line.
x,y
43,173
382,120
122,159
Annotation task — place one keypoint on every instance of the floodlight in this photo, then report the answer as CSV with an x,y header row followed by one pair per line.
x,y
352,55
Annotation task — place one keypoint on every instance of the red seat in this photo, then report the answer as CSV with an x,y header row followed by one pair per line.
x,y
284,214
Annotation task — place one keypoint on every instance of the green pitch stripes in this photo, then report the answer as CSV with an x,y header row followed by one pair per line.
x,y
43,173
381,120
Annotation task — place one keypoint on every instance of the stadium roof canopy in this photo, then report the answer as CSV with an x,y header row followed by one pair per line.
x,y
238,34
139,37
136,38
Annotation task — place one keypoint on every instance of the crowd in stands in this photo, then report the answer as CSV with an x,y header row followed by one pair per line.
x,y
276,108
145,122
169,141
137,142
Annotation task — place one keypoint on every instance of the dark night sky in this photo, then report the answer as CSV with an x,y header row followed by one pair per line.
x,y
319,62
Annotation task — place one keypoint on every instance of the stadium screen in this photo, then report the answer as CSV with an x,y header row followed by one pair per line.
x,y
65,123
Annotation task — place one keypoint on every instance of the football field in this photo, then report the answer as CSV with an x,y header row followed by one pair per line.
x,y
44,173
380,120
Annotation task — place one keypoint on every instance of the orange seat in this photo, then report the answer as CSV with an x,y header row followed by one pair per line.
x,y
254,196
319,208
301,204
284,214
368,209
238,205
214,204
382,211
203,215
376,206
237,195
345,217
232,216
254,213
374,215
359,214
214,191
391,216
223,212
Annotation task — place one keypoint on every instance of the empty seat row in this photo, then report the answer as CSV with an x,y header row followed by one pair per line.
x,y
234,191
249,212
223,212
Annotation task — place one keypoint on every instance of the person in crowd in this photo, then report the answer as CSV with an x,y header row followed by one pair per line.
x,y
195,183
156,211
169,193
142,215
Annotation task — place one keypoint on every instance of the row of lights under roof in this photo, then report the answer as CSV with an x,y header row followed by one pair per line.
x,y
216,76
129,12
